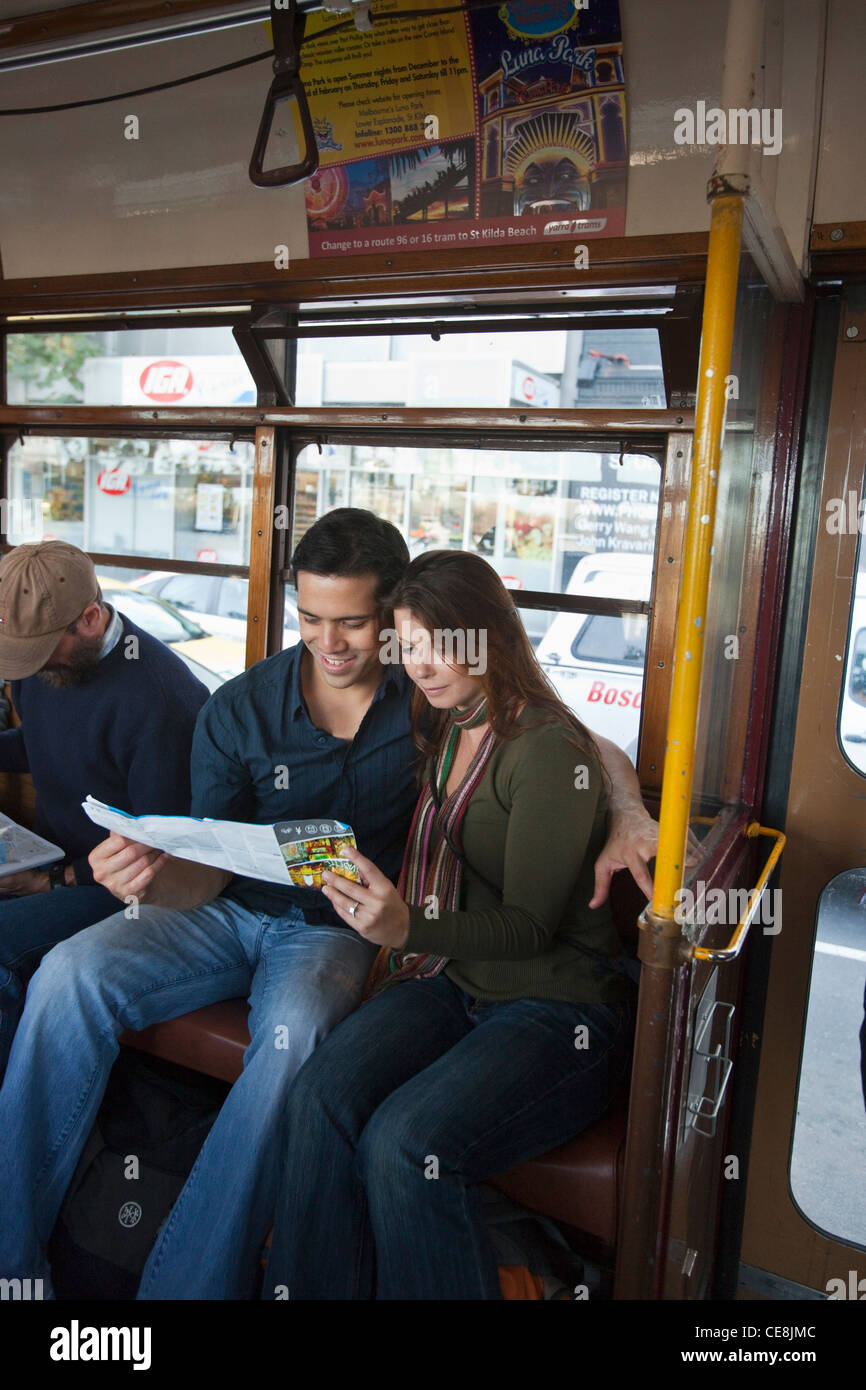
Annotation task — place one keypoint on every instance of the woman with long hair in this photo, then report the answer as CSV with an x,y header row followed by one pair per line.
x,y
497,1024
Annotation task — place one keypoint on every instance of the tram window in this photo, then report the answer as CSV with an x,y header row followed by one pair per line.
x,y
576,522
215,651
545,369
857,668
143,366
826,1178
739,538
852,705
180,499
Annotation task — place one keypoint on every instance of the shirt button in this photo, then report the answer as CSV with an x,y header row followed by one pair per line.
x,y
321,740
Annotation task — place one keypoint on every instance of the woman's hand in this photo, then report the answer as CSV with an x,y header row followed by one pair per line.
x,y
380,915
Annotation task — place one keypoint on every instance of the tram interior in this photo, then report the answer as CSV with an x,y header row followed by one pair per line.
x,y
503,330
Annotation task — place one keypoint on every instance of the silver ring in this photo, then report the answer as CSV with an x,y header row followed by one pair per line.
x,y
353,909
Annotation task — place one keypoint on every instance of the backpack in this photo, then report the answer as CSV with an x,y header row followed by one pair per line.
x,y
535,1260
153,1120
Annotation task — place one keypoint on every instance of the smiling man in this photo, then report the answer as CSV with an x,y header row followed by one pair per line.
x,y
319,730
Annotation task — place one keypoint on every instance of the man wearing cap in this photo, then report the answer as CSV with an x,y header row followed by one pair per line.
x,y
105,709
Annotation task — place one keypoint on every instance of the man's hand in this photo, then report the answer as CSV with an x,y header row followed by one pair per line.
x,y
126,868
632,841
28,881
633,838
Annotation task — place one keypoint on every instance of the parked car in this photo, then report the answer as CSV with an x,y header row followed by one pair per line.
x,y
218,603
595,661
214,659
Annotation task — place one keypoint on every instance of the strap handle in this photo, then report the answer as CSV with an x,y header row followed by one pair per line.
x,y
288,29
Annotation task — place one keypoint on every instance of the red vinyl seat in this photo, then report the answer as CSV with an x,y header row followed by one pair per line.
x,y
578,1183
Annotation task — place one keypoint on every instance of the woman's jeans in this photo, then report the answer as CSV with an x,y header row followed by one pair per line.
x,y
404,1110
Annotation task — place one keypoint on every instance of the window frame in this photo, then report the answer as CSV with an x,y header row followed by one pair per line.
x,y
280,433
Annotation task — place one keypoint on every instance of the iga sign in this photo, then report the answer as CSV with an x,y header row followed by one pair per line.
x,y
213,380
166,381
112,481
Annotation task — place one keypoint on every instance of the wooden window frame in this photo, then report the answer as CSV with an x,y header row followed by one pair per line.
x,y
279,433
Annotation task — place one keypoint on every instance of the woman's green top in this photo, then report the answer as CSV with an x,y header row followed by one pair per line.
x,y
533,831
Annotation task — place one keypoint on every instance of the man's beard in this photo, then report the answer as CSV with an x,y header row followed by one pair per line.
x,y
80,667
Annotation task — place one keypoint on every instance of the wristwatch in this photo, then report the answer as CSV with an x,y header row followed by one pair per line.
x,y
57,875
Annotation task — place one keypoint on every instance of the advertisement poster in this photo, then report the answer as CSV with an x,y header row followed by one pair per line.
x,y
209,506
504,125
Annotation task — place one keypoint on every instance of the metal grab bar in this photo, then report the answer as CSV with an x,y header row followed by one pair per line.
x,y
741,931
288,30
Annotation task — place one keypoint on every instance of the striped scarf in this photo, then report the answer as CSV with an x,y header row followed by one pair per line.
x,y
433,862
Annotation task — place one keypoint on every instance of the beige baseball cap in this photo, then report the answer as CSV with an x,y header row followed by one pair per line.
x,y
43,588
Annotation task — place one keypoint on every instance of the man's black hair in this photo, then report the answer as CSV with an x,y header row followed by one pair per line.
x,y
351,541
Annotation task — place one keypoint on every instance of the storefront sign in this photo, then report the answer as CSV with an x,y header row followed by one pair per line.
x,y
166,381
112,481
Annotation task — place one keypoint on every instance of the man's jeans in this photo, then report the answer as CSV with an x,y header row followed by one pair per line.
x,y
401,1114
30,926
301,980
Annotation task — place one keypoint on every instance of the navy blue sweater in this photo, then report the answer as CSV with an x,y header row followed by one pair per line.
x,y
123,737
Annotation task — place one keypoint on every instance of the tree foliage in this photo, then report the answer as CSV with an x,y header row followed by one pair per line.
x,y
50,364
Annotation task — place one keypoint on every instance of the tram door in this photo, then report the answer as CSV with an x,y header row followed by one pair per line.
x,y
805,1218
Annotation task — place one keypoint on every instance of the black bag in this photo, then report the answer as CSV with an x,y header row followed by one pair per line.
x,y
153,1120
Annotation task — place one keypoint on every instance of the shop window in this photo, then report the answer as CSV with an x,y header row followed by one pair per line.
x,y
179,499
579,523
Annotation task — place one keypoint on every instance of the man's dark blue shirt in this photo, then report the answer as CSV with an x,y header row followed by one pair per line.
x,y
258,757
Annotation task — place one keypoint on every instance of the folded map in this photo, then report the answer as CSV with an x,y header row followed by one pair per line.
x,y
293,851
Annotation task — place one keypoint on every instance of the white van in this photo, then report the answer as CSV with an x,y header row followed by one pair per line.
x,y
852,717
595,661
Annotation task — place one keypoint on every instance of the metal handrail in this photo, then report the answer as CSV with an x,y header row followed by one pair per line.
x,y
741,931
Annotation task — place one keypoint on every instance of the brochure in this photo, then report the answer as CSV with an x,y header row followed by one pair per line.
x,y
21,849
296,852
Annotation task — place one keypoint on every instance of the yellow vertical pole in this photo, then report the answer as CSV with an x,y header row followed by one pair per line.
x,y
723,262
641,1255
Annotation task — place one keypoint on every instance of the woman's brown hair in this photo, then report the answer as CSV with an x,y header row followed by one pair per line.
x,y
452,590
